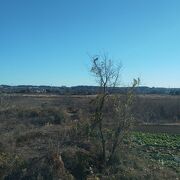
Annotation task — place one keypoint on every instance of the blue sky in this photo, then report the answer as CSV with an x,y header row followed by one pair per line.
x,y
47,42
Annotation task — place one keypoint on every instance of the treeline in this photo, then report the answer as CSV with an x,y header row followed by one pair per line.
x,y
84,90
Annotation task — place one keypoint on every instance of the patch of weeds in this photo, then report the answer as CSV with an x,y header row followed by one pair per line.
x,y
78,162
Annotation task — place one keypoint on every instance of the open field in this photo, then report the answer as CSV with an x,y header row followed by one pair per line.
x,y
35,128
159,128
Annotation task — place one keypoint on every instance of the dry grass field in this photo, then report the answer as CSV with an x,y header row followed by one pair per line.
x,y
38,139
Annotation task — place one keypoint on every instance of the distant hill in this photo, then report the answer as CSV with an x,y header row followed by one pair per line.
x,y
84,90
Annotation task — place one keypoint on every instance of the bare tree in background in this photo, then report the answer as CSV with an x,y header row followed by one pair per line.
x,y
107,74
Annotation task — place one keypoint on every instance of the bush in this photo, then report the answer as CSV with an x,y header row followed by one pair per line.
x,y
78,162
40,117
48,167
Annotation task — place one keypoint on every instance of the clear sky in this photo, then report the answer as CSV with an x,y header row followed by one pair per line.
x,y
47,42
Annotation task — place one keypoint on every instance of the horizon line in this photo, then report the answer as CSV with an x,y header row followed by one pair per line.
x,y
60,86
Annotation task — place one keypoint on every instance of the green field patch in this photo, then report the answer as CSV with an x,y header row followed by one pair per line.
x,y
161,148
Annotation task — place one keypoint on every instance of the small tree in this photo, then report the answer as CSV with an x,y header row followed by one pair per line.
x,y
107,75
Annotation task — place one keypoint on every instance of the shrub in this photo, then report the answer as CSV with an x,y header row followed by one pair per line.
x,y
78,162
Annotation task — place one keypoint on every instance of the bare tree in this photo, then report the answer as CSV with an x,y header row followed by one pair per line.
x,y
106,72
107,75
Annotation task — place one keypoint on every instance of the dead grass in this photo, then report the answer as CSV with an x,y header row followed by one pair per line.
x,y
37,132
